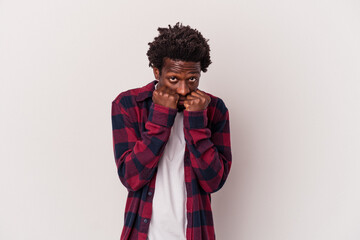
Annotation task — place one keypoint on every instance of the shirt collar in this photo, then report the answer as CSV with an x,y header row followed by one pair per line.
x,y
146,91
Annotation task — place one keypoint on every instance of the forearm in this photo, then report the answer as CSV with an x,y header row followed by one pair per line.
x,y
210,153
136,158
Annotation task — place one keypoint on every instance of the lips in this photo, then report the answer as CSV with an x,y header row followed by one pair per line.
x,y
181,100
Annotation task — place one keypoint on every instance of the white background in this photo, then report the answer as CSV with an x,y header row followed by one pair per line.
x,y
288,71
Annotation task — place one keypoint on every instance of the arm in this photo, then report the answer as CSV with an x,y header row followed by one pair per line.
x,y
137,158
210,150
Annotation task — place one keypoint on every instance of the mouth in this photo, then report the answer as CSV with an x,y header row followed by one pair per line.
x,y
180,106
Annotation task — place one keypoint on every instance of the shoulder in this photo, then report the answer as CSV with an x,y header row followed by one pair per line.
x,y
128,99
217,105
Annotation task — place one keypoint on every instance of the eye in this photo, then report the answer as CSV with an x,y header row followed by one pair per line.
x,y
172,79
192,79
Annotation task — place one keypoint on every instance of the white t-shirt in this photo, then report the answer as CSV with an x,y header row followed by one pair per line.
x,y
168,220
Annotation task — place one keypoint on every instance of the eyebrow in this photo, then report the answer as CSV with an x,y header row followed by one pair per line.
x,y
178,72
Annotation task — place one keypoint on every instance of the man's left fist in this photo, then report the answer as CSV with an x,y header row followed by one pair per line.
x,y
197,101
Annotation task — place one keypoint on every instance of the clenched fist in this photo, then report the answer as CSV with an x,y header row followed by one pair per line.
x,y
197,101
165,97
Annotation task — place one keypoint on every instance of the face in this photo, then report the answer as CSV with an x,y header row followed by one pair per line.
x,y
182,77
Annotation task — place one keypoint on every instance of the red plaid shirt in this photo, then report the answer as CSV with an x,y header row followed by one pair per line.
x,y
141,130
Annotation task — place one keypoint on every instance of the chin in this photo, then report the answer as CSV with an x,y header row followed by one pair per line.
x,y
180,108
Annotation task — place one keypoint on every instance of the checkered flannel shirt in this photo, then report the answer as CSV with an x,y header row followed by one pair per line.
x,y
141,130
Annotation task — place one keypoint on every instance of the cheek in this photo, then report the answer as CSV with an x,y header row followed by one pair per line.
x,y
164,82
194,87
171,86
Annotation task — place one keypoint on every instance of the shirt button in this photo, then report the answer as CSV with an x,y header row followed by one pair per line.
x,y
145,220
149,193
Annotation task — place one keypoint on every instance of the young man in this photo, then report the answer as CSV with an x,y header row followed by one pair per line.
x,y
171,143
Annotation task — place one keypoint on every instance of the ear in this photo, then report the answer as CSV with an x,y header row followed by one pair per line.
x,y
156,73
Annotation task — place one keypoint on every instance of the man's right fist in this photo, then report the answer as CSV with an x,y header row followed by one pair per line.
x,y
165,97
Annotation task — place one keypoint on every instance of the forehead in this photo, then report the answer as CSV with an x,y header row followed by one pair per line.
x,y
177,66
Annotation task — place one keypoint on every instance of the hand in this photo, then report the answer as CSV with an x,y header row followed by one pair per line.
x,y
197,101
166,97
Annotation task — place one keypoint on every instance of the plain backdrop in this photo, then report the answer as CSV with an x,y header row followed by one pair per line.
x,y
288,72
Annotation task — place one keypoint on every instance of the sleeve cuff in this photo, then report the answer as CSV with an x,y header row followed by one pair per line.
x,y
161,115
195,119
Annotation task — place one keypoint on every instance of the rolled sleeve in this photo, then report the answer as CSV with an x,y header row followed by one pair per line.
x,y
161,115
195,119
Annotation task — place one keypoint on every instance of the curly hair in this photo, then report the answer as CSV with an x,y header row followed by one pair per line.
x,y
179,43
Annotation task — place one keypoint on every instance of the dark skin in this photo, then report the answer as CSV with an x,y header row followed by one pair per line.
x,y
178,86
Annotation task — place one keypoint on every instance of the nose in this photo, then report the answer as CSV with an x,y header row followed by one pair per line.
x,y
183,88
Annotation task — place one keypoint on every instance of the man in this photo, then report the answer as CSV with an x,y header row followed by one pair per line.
x,y
171,143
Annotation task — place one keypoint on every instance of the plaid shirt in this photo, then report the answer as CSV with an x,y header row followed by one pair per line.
x,y
141,130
